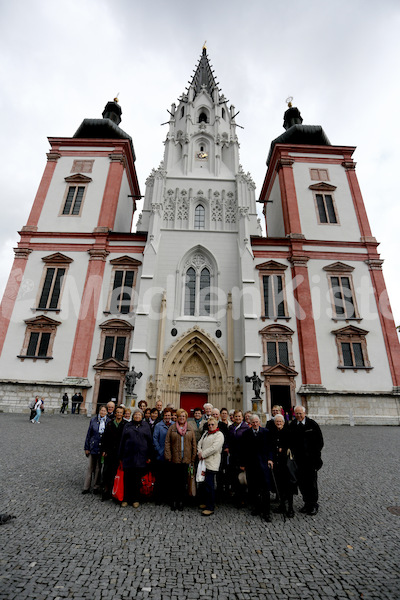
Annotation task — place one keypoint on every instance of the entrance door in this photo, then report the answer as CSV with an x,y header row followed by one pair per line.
x,y
280,394
108,390
189,401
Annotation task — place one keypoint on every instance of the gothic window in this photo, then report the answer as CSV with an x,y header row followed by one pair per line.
x,y
75,194
203,117
39,338
182,112
274,305
277,345
344,304
199,217
123,283
223,113
198,278
351,344
114,342
52,281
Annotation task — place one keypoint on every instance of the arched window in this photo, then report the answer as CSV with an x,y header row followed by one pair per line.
x,y
182,112
203,117
205,280
199,217
199,281
223,113
190,292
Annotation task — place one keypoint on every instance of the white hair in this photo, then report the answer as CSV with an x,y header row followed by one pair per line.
x,y
279,417
207,404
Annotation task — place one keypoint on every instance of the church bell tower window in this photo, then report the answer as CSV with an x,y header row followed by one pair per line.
x,y
199,217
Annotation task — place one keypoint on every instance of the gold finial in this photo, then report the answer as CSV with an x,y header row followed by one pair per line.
x,y
204,45
116,98
289,101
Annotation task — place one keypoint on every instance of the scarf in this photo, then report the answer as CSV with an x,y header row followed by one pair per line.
x,y
102,425
181,430
211,432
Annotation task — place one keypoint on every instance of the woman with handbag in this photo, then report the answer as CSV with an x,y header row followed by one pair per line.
x,y
180,452
209,449
135,452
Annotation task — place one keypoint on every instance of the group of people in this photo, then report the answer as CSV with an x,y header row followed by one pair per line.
x,y
76,402
230,455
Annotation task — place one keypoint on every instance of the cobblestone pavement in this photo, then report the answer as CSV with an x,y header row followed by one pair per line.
x,y
66,545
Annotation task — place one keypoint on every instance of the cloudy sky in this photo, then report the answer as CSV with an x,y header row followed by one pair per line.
x,y
61,61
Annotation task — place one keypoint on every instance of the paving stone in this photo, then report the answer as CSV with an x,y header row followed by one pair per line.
x,y
86,549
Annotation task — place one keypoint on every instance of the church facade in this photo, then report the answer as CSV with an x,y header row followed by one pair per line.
x,y
198,298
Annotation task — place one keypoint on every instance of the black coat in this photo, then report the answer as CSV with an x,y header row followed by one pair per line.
x,y
306,442
112,438
234,440
256,452
136,445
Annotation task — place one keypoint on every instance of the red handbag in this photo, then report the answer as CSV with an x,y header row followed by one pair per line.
x,y
148,482
118,487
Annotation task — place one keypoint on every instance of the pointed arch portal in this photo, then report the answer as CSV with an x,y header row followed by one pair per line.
x,y
196,364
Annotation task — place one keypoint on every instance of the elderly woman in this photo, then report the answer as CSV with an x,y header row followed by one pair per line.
x,y
286,488
128,414
110,448
92,449
142,405
235,455
209,449
135,451
180,452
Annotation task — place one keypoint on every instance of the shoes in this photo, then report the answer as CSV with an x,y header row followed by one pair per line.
x,y
304,509
267,518
180,506
105,496
135,505
96,491
85,491
279,509
313,511
255,512
124,504
173,506
202,506
38,422
290,513
207,513
32,420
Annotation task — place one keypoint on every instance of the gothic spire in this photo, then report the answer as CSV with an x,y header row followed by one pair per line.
x,y
204,75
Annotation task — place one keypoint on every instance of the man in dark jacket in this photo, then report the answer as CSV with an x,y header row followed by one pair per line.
x,y
110,446
306,443
257,461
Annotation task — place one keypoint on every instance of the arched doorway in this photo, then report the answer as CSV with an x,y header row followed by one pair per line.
x,y
195,364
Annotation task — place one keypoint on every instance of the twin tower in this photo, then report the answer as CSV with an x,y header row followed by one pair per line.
x,y
202,293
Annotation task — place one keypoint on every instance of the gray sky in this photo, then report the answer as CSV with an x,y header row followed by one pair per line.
x,y
61,61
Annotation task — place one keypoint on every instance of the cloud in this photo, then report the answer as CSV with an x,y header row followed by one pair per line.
x,y
62,61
